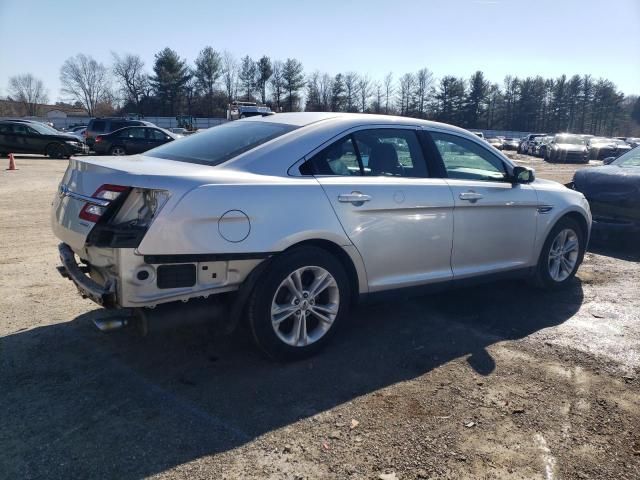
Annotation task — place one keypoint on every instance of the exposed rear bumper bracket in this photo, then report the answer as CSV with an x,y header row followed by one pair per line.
x,y
86,286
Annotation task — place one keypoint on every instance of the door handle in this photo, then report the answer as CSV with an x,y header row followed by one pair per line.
x,y
356,198
470,196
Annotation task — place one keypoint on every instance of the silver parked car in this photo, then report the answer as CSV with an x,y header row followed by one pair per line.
x,y
288,220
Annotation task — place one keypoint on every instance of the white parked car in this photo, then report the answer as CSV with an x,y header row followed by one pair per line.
x,y
290,219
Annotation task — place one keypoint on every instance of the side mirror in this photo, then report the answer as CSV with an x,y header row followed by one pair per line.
x,y
608,160
523,175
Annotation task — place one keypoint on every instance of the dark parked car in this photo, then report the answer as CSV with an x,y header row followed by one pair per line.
x,y
35,137
601,147
101,126
132,140
613,192
566,148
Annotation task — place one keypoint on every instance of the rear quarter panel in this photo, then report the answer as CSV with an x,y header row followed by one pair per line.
x,y
281,212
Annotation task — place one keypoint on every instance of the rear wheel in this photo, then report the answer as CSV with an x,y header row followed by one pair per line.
x,y
561,255
299,303
117,151
55,151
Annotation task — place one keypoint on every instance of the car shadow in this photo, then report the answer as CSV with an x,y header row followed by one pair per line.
x,y
77,403
622,247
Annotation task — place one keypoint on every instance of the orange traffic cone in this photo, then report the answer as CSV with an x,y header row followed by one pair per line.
x,y
12,162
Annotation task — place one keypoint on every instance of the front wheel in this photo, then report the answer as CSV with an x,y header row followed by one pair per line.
x,y
561,255
299,303
55,151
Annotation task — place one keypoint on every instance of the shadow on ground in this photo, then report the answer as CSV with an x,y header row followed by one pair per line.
x,y
76,403
623,247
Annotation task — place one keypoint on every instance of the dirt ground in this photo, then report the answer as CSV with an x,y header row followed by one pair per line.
x,y
495,382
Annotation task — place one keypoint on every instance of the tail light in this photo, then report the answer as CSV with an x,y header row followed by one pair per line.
x,y
106,194
98,139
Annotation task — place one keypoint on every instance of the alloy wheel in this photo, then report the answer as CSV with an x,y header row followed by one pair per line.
x,y
118,151
304,306
563,254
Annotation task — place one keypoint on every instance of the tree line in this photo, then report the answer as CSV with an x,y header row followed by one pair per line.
x,y
580,103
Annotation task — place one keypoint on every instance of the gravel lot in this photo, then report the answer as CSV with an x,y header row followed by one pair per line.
x,y
500,381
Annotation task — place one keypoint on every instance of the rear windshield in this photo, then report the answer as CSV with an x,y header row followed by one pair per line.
x,y
219,144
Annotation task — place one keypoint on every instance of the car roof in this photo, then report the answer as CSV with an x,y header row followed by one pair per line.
x,y
303,119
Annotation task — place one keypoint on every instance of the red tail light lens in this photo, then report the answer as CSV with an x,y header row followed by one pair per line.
x,y
98,138
105,195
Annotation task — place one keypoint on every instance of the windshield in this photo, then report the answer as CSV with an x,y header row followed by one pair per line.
x,y
570,139
43,129
221,143
629,159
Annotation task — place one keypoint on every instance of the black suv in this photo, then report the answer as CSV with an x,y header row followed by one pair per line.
x,y
101,126
19,136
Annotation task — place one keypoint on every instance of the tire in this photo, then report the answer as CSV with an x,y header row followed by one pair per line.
x,y
56,151
546,276
279,336
117,151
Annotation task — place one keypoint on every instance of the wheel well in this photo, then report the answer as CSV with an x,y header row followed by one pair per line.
x,y
49,145
580,220
344,259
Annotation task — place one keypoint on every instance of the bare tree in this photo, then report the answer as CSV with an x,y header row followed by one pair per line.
x,y
378,92
29,91
351,90
364,91
424,82
388,91
406,93
277,83
229,74
84,80
325,84
128,71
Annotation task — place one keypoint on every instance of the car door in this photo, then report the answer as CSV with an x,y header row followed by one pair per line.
x,y
398,218
20,139
134,140
8,140
35,141
494,220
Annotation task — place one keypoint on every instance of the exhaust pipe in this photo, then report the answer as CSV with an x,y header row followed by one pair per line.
x,y
110,324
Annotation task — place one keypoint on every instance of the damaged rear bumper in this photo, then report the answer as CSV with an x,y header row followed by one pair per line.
x,y
88,288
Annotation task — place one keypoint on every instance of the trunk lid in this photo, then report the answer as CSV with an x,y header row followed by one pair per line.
x,y
84,176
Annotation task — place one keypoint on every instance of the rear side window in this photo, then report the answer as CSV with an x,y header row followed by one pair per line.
x,y
98,126
118,125
5,128
219,144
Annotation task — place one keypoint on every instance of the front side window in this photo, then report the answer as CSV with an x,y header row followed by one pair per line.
x,y
466,160
157,135
379,152
20,129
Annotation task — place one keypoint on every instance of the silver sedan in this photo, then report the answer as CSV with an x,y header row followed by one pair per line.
x,y
288,220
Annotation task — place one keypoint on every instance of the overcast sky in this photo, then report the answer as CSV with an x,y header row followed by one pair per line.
x,y
458,37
